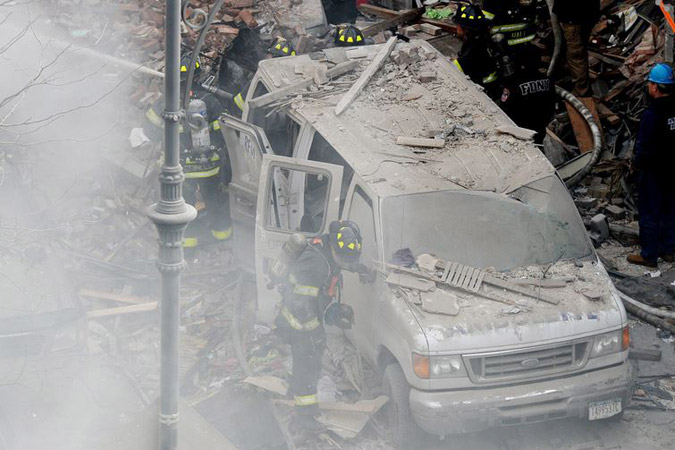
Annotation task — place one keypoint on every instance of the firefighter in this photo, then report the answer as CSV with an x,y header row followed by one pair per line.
x,y
474,58
654,159
577,18
236,79
204,159
340,11
528,90
310,298
515,19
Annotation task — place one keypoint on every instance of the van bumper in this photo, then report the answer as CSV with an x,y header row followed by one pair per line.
x,y
448,412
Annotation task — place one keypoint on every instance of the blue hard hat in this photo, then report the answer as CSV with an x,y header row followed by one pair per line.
x,y
661,74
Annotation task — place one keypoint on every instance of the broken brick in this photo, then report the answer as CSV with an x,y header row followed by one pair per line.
x,y
432,30
427,76
240,3
615,212
247,17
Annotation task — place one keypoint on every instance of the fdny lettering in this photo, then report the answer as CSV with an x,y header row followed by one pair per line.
x,y
532,87
671,123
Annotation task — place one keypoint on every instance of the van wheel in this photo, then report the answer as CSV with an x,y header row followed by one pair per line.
x,y
402,428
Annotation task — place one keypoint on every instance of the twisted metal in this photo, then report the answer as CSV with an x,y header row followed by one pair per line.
x,y
203,28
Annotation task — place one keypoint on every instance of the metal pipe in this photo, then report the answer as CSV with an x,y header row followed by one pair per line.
x,y
171,215
595,130
198,47
557,38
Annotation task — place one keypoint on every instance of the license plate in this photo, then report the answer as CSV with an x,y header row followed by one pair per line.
x,y
604,409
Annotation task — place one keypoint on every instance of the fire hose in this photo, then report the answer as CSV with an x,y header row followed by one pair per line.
x,y
595,131
557,38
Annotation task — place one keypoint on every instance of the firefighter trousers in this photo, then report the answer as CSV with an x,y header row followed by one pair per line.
x,y
214,220
307,349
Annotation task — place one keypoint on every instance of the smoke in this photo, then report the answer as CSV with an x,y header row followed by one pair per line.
x,y
62,115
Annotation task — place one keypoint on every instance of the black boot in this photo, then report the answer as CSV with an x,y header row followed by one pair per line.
x,y
305,421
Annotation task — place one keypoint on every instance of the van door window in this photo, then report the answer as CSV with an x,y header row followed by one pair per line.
x,y
361,212
322,151
260,90
297,200
281,129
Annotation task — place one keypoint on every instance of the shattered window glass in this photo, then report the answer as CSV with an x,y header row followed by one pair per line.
x,y
536,224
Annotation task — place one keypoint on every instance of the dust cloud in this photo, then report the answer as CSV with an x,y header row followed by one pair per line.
x,y
62,113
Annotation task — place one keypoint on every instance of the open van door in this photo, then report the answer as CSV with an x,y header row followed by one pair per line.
x,y
295,196
246,145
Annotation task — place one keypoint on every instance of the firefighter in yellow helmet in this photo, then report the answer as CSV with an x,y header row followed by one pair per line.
x,y
204,159
474,58
310,299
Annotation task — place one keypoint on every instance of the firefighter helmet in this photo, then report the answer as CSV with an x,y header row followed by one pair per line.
x,y
344,238
348,36
471,16
281,47
339,315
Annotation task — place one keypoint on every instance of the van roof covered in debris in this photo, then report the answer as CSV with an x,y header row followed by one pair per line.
x,y
418,94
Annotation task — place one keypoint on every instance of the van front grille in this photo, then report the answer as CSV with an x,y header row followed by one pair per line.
x,y
522,364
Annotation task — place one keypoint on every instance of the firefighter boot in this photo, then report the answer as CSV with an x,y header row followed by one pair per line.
x,y
304,421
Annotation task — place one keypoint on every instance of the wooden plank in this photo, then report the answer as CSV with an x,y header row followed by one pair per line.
x,y
438,280
430,29
543,283
284,92
410,282
420,142
401,18
445,26
366,76
130,299
489,279
378,11
269,383
122,310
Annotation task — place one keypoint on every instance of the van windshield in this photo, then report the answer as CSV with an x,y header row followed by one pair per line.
x,y
533,225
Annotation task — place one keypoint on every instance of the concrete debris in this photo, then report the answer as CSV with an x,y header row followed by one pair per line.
x,y
517,132
420,142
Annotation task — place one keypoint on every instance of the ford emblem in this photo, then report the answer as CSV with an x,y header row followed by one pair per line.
x,y
530,363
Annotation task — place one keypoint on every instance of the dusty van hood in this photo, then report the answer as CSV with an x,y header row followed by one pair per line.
x,y
485,325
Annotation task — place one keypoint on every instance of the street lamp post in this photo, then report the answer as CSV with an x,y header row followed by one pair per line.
x,y
171,216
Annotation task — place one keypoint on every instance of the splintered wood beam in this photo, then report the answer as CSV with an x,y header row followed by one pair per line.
x,y
401,17
366,76
295,88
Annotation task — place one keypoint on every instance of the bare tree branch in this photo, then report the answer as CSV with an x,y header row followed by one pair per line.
x,y
33,81
16,38
51,141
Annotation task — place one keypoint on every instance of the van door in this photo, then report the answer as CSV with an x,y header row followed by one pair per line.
x,y
362,209
246,146
294,197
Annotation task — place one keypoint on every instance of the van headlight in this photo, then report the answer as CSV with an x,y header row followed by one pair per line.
x,y
612,342
446,366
